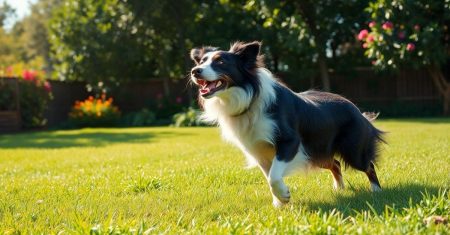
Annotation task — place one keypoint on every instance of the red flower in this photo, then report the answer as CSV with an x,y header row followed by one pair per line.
x,y
374,62
363,34
417,27
410,47
401,35
29,75
365,45
370,38
47,86
388,25
372,24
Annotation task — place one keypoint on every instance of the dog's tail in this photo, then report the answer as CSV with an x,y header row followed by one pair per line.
x,y
370,116
378,134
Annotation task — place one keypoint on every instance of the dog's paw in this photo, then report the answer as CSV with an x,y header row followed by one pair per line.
x,y
338,185
279,203
375,187
279,189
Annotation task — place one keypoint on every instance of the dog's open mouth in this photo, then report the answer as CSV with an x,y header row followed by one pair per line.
x,y
208,88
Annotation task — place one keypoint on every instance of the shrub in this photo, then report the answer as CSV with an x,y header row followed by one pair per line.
x,y
189,117
144,117
94,112
165,107
34,95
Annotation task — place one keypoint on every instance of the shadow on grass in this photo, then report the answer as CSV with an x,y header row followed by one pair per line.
x,y
397,197
55,139
437,120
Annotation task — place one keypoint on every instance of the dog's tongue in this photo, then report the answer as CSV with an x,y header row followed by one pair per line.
x,y
211,85
206,87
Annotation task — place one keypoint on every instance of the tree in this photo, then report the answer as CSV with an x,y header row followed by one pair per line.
x,y
34,32
317,30
117,40
101,41
404,34
8,45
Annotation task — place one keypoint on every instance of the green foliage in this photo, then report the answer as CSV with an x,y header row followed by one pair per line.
x,y
119,40
144,117
188,181
144,39
34,98
413,33
34,95
165,106
189,117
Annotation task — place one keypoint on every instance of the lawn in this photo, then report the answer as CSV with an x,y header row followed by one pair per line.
x,y
186,180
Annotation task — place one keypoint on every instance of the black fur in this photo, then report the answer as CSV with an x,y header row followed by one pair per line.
x,y
326,124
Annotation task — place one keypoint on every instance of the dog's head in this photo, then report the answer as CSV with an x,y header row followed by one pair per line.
x,y
217,71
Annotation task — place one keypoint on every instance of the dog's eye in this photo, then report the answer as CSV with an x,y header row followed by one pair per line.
x,y
220,61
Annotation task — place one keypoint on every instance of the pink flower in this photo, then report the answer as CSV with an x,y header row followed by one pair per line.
x,y
9,70
29,75
370,38
374,62
365,45
410,47
417,27
179,100
401,35
388,25
363,34
47,86
372,24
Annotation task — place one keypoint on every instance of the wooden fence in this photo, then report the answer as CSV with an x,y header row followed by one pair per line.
x,y
363,87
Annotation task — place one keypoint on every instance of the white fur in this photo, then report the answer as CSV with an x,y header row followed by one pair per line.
x,y
338,183
298,164
251,127
375,187
208,73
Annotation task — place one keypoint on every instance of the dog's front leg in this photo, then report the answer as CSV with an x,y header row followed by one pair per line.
x,y
286,150
280,192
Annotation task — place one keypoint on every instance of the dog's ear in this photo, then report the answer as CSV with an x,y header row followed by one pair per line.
x,y
197,53
248,52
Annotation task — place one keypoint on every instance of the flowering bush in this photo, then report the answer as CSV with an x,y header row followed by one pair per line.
x,y
410,34
94,112
34,95
404,33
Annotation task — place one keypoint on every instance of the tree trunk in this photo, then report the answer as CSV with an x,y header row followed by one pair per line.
x,y
179,16
323,68
442,86
307,11
166,86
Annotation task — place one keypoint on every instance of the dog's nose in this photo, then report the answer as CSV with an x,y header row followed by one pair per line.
x,y
196,71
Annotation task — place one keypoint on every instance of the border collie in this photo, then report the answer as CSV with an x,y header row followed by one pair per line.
x,y
278,130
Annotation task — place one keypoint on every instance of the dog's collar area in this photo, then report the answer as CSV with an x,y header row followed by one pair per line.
x,y
245,110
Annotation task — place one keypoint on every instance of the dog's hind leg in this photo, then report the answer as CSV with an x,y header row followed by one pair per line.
x,y
338,182
335,167
372,175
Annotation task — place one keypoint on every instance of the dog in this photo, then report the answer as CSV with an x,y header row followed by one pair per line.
x,y
277,129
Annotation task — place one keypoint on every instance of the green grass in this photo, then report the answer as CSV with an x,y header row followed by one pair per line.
x,y
167,180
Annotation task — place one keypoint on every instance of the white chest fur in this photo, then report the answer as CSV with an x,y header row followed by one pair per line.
x,y
251,128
